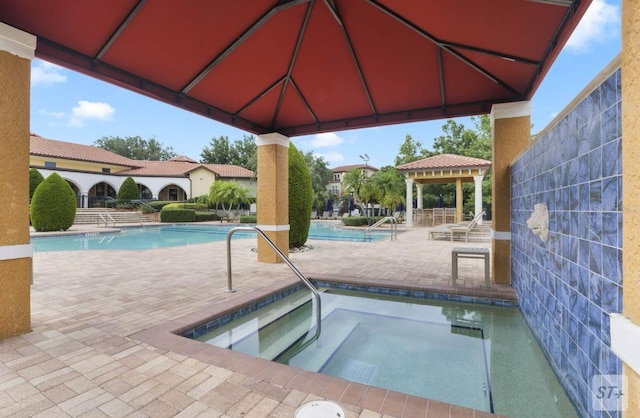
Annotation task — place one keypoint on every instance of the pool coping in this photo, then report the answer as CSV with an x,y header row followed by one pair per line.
x,y
167,336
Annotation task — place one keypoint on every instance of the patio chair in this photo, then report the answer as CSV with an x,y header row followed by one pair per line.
x,y
451,230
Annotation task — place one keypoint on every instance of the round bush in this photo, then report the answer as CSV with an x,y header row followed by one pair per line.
x,y
35,178
128,190
300,198
53,205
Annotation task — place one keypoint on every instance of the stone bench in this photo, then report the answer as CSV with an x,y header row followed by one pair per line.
x,y
470,252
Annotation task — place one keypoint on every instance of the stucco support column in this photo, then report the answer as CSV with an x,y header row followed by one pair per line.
x,y
419,187
625,328
459,200
273,195
477,181
511,127
16,254
409,212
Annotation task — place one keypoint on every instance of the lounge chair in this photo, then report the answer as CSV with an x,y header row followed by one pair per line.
x,y
451,230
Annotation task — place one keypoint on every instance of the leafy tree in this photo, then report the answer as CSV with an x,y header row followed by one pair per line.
x,y
53,206
410,150
320,176
242,152
300,198
35,178
128,190
136,148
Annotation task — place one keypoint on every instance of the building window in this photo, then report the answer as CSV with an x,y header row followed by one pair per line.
x,y
336,176
106,170
335,190
49,164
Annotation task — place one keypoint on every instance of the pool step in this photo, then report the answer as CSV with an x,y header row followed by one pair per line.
x,y
269,332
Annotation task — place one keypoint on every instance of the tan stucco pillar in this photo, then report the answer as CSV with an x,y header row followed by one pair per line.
x,y
16,254
459,200
273,195
511,127
625,328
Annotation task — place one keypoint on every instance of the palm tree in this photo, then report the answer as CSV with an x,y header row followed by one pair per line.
x,y
228,192
390,186
353,181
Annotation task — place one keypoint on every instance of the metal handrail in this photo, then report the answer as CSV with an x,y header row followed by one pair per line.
x,y
145,205
284,258
394,226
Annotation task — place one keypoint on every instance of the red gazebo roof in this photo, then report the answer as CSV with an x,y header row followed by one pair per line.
x,y
305,66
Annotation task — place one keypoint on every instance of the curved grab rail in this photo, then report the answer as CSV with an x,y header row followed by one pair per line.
x,y
284,258
394,226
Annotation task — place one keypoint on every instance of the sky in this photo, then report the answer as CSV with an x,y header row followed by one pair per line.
x,y
71,107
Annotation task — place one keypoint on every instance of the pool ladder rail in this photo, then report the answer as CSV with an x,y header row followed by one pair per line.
x,y
106,218
285,259
394,227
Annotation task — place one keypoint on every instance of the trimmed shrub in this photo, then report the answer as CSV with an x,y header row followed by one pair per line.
x,y
177,215
35,178
300,198
53,205
206,216
248,219
159,204
128,190
194,206
360,220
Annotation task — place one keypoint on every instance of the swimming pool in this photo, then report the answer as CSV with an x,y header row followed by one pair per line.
x,y
478,356
148,237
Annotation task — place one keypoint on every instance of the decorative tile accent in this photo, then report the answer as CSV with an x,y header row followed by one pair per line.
x,y
568,286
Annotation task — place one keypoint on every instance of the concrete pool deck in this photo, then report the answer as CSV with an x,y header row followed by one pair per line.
x,y
91,350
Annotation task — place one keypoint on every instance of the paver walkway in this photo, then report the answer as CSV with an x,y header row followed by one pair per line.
x,y
81,359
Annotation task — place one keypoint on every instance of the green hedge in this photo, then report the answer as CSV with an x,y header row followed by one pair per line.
x,y
53,206
360,220
248,219
300,198
206,216
177,215
128,189
159,204
186,205
35,178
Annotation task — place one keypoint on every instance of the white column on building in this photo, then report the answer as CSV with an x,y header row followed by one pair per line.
x,y
419,187
478,195
409,212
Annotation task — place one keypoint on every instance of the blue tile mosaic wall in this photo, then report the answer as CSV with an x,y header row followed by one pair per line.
x,y
568,285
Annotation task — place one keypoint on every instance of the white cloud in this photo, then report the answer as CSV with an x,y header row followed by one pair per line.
x,y
45,74
333,157
56,115
328,139
90,111
600,23
554,114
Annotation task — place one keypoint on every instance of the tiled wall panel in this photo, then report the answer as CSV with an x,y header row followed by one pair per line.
x,y
569,284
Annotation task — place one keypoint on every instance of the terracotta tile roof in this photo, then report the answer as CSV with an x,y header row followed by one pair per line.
x,y
183,158
60,149
446,161
345,168
228,170
182,168
179,166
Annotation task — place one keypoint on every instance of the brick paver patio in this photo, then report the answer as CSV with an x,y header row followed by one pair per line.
x,y
87,356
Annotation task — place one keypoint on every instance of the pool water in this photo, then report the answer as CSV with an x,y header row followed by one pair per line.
x,y
478,356
148,237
